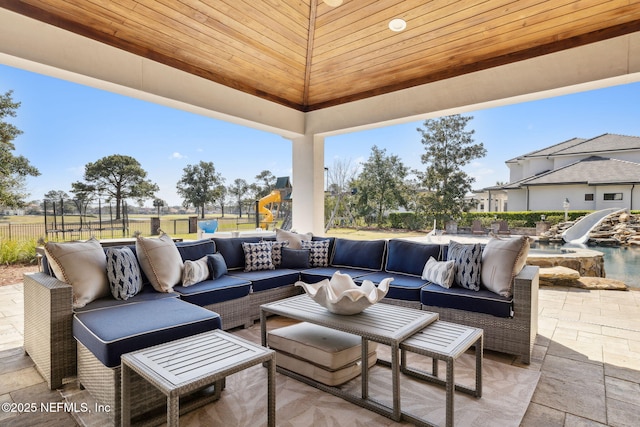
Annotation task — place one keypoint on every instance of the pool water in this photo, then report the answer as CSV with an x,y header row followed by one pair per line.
x,y
620,262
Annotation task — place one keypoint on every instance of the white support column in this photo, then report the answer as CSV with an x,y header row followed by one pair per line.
x,y
308,184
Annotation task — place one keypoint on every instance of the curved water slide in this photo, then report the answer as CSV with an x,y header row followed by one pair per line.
x,y
273,197
578,233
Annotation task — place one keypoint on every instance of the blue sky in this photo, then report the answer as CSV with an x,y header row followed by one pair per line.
x,y
67,125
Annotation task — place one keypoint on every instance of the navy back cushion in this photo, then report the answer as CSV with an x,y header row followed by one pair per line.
x,y
410,257
194,250
365,254
231,250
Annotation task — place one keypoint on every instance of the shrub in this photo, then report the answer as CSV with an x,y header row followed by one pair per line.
x,y
17,252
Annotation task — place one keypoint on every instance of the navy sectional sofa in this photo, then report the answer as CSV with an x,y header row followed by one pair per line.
x,y
106,328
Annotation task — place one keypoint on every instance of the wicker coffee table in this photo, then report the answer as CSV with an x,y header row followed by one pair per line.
x,y
383,323
179,367
443,341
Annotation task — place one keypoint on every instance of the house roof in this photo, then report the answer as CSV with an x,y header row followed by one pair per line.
x,y
594,170
549,151
307,55
602,144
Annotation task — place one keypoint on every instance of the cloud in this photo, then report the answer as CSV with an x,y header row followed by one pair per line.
x,y
176,155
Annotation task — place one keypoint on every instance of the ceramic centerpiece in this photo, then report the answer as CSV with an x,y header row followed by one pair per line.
x,y
341,295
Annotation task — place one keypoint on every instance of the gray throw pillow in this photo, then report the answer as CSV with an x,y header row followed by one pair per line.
x,y
195,271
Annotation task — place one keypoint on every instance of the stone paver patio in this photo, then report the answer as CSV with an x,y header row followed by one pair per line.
x,y
588,352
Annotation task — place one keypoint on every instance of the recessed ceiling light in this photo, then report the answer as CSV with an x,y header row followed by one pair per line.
x,y
333,3
397,24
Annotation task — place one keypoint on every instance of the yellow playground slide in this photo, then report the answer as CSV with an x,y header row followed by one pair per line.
x,y
273,197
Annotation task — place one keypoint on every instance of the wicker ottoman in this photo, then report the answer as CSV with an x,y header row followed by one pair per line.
x,y
326,355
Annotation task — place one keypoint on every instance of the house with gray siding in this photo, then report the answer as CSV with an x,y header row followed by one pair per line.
x,y
592,174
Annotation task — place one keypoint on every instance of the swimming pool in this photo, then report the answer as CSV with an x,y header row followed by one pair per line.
x,y
620,262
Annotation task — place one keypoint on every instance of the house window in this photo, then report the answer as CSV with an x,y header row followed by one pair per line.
x,y
481,206
588,197
612,196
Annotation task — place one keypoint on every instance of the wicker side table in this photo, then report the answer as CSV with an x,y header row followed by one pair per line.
x,y
179,367
443,341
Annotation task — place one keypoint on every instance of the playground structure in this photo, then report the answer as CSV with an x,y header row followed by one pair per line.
x,y
280,194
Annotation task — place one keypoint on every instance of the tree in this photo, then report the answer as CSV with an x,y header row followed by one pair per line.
x,y
84,194
120,178
62,200
200,185
13,169
238,190
159,203
340,178
448,147
381,184
266,181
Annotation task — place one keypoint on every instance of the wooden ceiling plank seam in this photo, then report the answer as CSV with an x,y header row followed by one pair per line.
x,y
253,18
462,40
204,35
225,48
66,15
381,70
626,28
428,27
313,8
543,49
172,61
278,13
233,62
435,30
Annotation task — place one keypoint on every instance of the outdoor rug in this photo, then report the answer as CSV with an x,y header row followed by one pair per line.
x,y
507,391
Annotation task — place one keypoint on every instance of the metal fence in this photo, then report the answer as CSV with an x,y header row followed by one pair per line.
x,y
116,229
86,230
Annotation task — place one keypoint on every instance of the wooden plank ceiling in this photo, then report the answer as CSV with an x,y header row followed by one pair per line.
x,y
308,55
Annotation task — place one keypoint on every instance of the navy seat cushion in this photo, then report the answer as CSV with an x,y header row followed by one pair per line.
x,y
410,257
109,333
231,250
403,287
317,274
194,250
209,292
365,254
482,301
146,294
263,280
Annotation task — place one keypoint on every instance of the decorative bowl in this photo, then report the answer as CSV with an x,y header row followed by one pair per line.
x,y
341,295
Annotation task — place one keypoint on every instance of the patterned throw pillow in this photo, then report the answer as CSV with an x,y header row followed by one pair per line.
x,y
195,271
123,272
468,260
276,252
257,256
439,272
318,252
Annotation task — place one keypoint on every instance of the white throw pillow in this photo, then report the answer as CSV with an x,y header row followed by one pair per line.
x,y
439,272
83,265
160,260
502,260
294,239
195,271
